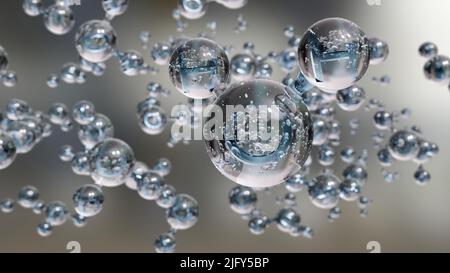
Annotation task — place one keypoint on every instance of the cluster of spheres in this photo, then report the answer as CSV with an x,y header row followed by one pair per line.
x,y
7,78
259,133
96,43
21,129
437,67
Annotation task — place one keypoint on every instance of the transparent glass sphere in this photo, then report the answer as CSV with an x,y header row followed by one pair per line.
x,y
165,243
334,53
84,112
7,151
428,50
88,200
184,213
287,220
324,191
379,51
351,98
33,7
111,161
115,7
96,41
99,129
404,145
56,213
192,9
252,147
242,200
243,67
28,197
437,68
198,68
59,20
152,118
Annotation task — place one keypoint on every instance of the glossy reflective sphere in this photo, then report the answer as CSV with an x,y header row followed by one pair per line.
x,y
84,112
288,60
295,183
428,50
152,118
96,131
112,160
192,9
28,197
150,185
7,151
59,20
350,189
334,54
324,192
88,200
115,7
44,229
379,51
96,41
242,199
351,99
56,213
258,225
404,145
356,172
198,68
184,213
33,7
161,53
165,243
243,67
287,220
383,120
264,155
131,63
437,69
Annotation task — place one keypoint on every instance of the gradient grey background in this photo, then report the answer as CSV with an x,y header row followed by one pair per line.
x,y
404,217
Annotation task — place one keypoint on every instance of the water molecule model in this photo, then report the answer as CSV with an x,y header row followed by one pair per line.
x,y
110,162
437,68
96,43
7,78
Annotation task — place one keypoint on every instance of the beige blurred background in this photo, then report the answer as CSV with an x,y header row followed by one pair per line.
x,y
404,217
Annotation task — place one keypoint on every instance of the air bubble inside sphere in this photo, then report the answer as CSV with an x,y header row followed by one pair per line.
x,y
324,193
257,135
437,69
59,20
96,41
334,54
404,145
7,151
112,160
198,68
192,9
88,200
184,213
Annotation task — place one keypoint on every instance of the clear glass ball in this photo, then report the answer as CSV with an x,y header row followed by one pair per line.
x,y
115,7
198,68
56,213
404,145
96,41
334,54
192,9
184,213
59,20
261,157
111,162
7,151
243,67
96,131
242,200
324,191
88,200
379,51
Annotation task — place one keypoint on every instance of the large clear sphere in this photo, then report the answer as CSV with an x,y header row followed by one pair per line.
x,y
262,157
334,54
198,68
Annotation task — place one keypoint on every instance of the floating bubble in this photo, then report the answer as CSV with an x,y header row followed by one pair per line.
x,y
262,158
115,7
88,200
324,192
198,68
184,213
84,112
192,9
165,243
98,130
351,99
150,185
56,213
96,41
243,67
379,51
242,199
404,145
428,50
28,197
437,68
334,54
45,229
7,151
59,19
